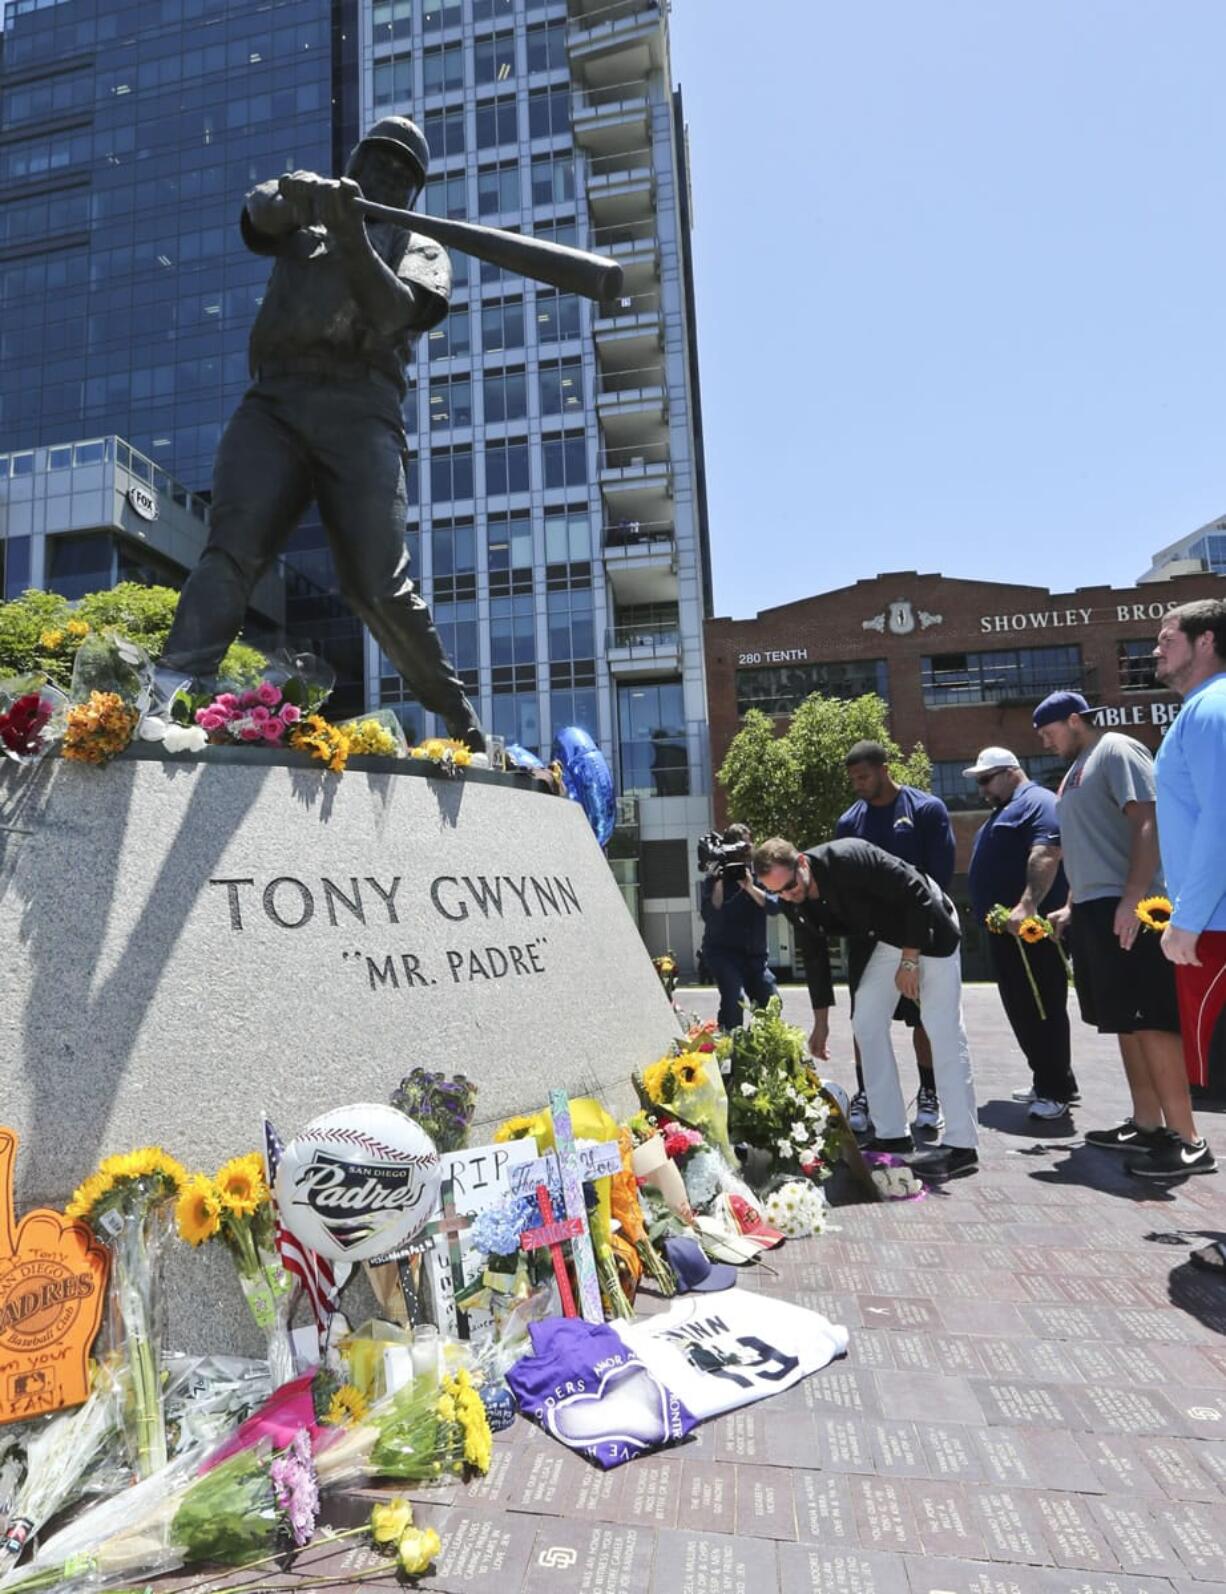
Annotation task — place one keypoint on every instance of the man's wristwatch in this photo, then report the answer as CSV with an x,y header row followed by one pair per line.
x,y
908,963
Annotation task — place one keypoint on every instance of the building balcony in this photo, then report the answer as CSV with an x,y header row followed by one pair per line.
x,y
632,407
636,251
616,44
629,332
622,196
637,483
611,122
643,651
640,562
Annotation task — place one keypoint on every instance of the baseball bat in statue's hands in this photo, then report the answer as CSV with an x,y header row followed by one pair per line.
x,y
573,270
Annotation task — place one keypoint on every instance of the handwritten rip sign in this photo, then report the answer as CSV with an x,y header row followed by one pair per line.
x,y
52,1290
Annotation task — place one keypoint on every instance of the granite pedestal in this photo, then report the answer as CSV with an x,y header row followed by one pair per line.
x,y
186,943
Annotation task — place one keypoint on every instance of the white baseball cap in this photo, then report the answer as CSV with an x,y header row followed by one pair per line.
x,y
992,758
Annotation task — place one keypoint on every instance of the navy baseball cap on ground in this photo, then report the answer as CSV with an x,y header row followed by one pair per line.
x,y
1058,706
689,1262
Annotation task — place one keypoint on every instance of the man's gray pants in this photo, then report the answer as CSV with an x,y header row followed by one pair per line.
x,y
340,443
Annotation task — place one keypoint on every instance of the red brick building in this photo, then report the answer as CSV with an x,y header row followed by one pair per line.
x,y
960,663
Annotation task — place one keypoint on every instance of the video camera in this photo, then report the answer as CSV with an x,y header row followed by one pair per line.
x,y
726,860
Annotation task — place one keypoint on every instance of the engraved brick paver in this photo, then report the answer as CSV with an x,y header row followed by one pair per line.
x,y
1034,1401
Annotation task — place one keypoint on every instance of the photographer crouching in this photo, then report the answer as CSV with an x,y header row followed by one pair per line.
x,y
734,909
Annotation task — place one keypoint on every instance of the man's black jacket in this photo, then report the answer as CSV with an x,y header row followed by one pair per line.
x,y
865,891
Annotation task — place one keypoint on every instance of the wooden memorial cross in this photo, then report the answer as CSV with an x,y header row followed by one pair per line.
x,y
554,1234
449,1228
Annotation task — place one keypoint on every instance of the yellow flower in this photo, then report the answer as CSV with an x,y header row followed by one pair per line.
x,y
417,1549
388,1523
446,1408
368,738
1154,912
77,628
347,1406
513,1129
99,729
1032,930
656,1079
198,1210
442,750
241,1184
87,1196
691,1073
50,639
325,742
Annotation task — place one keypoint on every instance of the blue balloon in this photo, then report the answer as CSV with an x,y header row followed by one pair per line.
x,y
587,779
523,757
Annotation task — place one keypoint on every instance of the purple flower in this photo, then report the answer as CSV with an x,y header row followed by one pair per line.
x,y
295,1487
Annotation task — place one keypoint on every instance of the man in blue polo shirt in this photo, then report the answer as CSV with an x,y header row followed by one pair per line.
x,y
1016,862
912,825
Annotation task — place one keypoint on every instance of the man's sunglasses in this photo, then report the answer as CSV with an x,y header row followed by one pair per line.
x,y
986,780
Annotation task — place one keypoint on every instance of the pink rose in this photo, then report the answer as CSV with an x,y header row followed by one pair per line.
x,y
251,733
259,714
268,693
247,699
209,721
226,700
272,729
290,714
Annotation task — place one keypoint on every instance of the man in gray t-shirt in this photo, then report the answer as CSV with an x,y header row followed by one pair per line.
x,y
1109,841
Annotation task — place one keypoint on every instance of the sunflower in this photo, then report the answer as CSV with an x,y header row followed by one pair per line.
x,y
1154,912
690,1072
240,1183
198,1210
347,1407
514,1129
87,1195
657,1078
1033,929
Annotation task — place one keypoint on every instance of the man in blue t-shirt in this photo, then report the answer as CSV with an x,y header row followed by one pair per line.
x,y
912,825
1015,862
734,909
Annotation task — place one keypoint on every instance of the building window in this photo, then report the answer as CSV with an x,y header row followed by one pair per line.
x,y
394,81
1011,675
391,19
782,688
451,474
443,69
493,10
447,196
451,336
454,553
568,551
494,59
456,624
651,725
548,112
506,396
557,315
506,468
1136,661
444,133
575,708
1212,549
547,48
565,460
497,124
553,180
572,630
517,717
502,325
512,633
647,625
960,794
509,544
561,387
436,14
451,401
498,190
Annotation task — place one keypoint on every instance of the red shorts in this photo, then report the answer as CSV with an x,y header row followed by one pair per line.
x,y
1202,1001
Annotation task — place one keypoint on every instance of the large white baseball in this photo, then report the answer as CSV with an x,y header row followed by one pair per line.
x,y
358,1181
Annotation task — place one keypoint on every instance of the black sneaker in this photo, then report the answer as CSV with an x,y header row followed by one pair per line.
x,y
944,1162
1128,1136
900,1145
1174,1159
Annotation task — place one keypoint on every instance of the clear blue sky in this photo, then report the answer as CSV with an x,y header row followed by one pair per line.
x,y
961,278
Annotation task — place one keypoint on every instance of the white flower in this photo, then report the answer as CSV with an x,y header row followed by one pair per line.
x,y
747,1089
185,738
800,1132
785,1147
152,729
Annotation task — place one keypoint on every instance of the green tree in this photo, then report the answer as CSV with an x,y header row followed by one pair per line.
x,y
795,784
41,631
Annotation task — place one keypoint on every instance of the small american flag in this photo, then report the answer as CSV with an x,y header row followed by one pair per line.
x,y
314,1271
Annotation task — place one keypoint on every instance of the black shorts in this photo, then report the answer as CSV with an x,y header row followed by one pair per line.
x,y
1119,992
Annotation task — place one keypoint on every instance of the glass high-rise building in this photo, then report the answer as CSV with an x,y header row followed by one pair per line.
x,y
559,519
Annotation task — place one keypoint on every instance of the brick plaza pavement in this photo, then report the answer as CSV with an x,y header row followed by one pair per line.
x,y
1034,1399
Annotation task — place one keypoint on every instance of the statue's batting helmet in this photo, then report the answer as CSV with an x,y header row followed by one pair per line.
x,y
405,137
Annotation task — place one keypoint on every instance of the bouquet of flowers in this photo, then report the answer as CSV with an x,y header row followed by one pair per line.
x,y
33,715
235,1205
422,1433
127,1203
448,756
631,1232
892,1179
376,734
60,1454
687,1085
796,1208
1033,929
442,1105
777,1101
666,967
261,714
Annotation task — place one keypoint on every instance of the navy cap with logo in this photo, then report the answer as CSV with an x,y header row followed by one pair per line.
x,y
689,1262
1058,706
